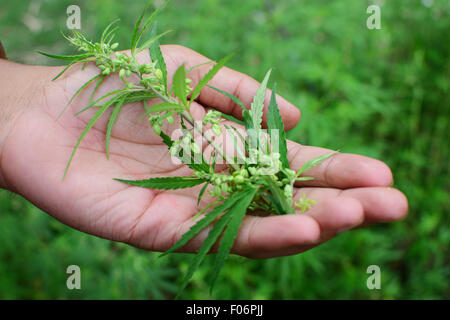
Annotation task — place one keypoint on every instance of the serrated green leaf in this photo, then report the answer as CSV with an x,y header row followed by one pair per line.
x,y
110,35
147,43
111,123
229,95
165,183
314,162
96,102
198,65
237,213
179,84
139,96
88,127
150,20
108,30
245,114
200,195
70,57
275,122
134,35
204,222
279,197
208,76
204,249
257,106
212,237
165,106
97,85
64,70
76,94
156,55
231,118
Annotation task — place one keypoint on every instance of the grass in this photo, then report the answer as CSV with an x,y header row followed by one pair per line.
x,y
380,93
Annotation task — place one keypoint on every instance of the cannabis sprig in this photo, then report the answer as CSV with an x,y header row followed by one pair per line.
x,y
258,177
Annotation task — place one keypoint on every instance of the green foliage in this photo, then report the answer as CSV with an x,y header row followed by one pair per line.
x,y
382,93
179,84
237,213
208,76
275,122
88,127
313,162
245,112
165,183
156,55
237,207
111,122
256,109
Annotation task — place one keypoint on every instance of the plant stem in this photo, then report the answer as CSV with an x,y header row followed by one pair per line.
x,y
186,116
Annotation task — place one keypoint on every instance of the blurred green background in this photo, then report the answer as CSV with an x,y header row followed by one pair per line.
x,y
381,93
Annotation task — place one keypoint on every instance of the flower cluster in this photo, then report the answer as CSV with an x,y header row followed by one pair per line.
x,y
213,118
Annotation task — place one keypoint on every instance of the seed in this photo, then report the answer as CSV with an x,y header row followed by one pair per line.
x,y
157,129
244,173
239,179
158,74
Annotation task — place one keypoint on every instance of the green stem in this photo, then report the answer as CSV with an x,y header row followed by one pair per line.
x,y
186,116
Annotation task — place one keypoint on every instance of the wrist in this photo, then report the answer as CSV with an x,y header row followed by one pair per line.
x,y
17,84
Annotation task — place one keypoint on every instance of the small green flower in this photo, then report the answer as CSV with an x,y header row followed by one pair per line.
x,y
239,179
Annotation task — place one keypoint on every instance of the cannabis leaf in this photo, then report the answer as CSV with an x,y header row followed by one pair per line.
x,y
282,204
111,122
236,206
139,30
70,57
156,55
237,213
208,76
179,84
77,92
275,122
245,112
88,127
314,162
165,183
257,106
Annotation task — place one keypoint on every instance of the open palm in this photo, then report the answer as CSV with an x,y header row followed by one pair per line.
x,y
350,190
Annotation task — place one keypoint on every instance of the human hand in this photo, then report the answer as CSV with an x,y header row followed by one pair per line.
x,y
350,190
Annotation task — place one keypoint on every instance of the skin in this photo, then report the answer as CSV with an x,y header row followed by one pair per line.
x,y
350,190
